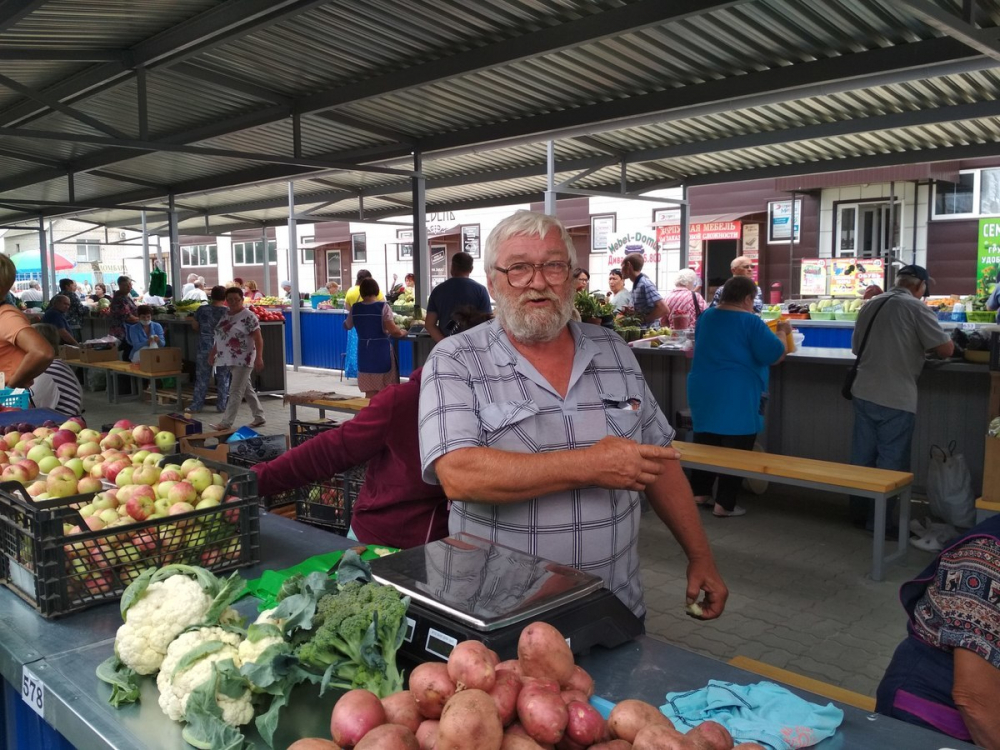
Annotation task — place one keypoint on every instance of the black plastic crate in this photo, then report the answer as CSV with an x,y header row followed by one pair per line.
x,y
59,572
267,502
300,430
328,504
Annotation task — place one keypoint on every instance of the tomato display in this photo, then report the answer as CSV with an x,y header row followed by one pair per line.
x,y
266,315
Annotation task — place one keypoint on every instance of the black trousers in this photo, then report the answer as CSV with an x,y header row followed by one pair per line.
x,y
702,481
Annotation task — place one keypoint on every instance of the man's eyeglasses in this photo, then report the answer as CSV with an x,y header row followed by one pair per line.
x,y
520,275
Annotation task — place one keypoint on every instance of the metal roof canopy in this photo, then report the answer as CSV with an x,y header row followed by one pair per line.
x,y
215,104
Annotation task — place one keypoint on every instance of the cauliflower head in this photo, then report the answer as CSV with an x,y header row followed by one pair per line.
x,y
175,689
258,642
166,608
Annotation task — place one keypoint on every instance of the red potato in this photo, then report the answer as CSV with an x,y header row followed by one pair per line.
x,y
431,687
519,742
469,666
612,745
356,713
401,708
567,744
629,716
536,683
660,737
494,657
504,694
569,696
389,737
313,743
543,652
470,721
580,680
427,733
712,735
585,725
543,714
512,664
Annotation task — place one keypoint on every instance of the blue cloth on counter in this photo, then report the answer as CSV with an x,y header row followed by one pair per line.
x,y
765,713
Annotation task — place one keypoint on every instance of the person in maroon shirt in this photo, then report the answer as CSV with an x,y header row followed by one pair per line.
x,y
395,507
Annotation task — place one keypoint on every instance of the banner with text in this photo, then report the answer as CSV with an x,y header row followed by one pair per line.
x,y
988,257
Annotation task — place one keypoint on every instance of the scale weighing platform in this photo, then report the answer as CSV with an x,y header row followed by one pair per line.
x,y
467,588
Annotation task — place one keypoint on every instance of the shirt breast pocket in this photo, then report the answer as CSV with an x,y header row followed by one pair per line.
x,y
510,425
623,416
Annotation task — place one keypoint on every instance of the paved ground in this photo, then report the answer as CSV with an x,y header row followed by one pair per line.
x,y
795,566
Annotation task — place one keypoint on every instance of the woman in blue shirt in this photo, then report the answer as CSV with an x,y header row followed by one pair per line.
x,y
727,385
145,333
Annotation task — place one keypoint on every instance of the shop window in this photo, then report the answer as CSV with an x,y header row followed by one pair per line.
x,y
863,229
848,229
334,272
989,192
956,198
308,255
359,247
88,251
199,255
252,253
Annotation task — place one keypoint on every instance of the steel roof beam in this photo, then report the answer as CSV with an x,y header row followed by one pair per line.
x,y
876,67
219,25
63,54
32,159
232,83
854,126
13,11
984,41
368,127
58,106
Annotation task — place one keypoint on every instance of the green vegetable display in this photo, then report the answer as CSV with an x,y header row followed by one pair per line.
x,y
590,306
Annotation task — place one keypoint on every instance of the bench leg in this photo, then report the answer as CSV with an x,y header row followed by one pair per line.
x,y
904,527
878,542
152,394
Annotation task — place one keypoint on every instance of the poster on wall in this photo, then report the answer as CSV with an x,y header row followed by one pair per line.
x,y
404,244
601,228
439,264
470,239
988,257
813,280
779,224
751,247
842,279
869,272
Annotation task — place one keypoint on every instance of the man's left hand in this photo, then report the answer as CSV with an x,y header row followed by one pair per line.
x,y
704,577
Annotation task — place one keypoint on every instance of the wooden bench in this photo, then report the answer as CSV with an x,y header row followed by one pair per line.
x,y
985,509
878,484
353,405
834,693
126,368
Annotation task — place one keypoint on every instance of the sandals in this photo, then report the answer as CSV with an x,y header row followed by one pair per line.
x,y
258,422
720,512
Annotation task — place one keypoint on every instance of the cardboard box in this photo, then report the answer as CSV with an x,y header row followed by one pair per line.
x,y
991,471
90,355
162,359
210,445
69,352
179,424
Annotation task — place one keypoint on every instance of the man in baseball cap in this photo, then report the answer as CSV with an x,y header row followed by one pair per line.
x,y
901,330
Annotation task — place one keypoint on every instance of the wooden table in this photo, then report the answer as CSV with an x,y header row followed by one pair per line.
x,y
126,368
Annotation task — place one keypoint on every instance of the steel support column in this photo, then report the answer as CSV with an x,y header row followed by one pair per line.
x,y
43,257
685,228
293,276
175,245
421,251
791,251
267,261
51,249
550,176
145,253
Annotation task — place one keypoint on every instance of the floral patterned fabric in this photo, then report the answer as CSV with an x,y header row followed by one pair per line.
x,y
234,346
122,306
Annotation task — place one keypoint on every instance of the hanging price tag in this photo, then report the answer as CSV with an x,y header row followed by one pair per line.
x,y
33,691
968,326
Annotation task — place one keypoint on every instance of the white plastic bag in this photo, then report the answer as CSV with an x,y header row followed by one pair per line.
x,y
949,487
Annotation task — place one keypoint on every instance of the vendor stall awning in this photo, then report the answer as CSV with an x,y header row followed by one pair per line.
x,y
30,262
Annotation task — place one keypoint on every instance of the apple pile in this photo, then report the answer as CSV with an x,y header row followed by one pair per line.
x,y
146,492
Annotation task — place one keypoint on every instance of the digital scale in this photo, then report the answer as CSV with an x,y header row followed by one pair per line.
x,y
467,588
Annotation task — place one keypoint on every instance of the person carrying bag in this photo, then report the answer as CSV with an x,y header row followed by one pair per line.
x,y
852,373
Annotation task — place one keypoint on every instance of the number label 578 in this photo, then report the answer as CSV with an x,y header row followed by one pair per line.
x,y
33,691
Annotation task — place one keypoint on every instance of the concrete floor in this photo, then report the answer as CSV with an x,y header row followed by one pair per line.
x,y
796,569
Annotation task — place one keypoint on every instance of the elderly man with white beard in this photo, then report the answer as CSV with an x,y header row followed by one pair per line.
x,y
542,432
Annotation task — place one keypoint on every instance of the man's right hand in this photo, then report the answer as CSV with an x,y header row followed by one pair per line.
x,y
624,464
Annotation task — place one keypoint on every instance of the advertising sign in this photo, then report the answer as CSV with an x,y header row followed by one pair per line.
x,y
779,225
988,260
470,239
669,235
751,247
601,228
439,264
869,272
813,281
621,244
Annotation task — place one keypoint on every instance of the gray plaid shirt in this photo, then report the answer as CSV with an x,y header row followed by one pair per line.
x,y
477,391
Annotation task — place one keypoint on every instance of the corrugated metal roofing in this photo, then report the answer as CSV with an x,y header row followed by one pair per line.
x,y
693,96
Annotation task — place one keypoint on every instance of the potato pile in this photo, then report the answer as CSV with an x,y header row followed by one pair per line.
x,y
477,702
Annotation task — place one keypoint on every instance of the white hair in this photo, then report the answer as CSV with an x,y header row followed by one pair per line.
x,y
192,277
34,285
524,223
687,278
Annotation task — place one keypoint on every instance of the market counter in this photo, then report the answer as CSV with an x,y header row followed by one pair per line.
x,y
63,654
